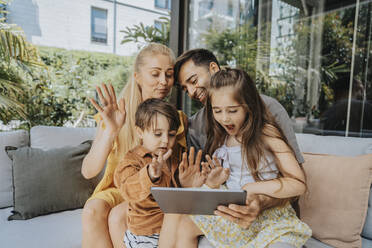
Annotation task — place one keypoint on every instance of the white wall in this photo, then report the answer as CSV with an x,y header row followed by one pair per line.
x,y
67,23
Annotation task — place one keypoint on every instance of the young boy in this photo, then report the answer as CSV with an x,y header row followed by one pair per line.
x,y
152,164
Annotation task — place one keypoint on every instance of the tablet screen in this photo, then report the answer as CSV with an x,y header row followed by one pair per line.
x,y
195,200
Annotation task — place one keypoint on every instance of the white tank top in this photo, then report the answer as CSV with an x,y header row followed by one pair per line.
x,y
231,157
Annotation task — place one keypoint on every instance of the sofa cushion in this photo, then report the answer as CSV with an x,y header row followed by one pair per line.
x,y
49,181
335,145
366,243
367,230
45,137
13,138
59,230
335,205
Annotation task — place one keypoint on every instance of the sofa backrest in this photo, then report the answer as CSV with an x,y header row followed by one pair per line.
x,y
335,145
47,137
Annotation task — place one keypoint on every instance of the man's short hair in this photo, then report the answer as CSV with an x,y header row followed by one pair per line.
x,y
149,109
200,57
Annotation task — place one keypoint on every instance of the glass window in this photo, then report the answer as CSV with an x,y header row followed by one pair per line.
x,y
163,4
2,12
205,7
314,58
158,25
99,25
230,8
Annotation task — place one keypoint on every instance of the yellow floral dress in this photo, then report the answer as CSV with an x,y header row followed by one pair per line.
x,y
278,224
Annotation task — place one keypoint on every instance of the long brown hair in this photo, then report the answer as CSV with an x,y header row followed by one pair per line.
x,y
258,122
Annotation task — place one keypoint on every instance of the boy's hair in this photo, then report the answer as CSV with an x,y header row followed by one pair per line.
x,y
200,57
149,109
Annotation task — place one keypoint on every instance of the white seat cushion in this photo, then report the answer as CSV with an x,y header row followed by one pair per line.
x,y
59,230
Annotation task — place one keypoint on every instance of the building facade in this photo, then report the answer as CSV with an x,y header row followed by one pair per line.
x,y
90,25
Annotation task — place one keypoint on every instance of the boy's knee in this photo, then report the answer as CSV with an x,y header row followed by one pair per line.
x,y
118,214
95,209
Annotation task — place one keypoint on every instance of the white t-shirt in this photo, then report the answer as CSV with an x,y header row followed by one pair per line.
x,y
231,157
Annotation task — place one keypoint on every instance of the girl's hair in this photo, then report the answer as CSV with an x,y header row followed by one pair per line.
x,y
148,110
257,124
127,138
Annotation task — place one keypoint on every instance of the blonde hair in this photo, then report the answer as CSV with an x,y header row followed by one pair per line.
x,y
127,138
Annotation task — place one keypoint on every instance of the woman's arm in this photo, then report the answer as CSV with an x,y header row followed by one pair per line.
x,y
95,160
113,118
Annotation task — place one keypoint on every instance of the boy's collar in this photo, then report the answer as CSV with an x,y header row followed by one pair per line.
x,y
142,151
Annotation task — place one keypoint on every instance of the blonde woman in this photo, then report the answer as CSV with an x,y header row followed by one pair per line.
x,y
104,213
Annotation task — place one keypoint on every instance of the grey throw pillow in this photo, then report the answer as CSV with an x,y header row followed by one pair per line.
x,y
48,181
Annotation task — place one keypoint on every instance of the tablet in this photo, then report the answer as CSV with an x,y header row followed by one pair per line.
x,y
195,200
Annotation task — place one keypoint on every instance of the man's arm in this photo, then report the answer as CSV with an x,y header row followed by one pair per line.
x,y
196,133
282,119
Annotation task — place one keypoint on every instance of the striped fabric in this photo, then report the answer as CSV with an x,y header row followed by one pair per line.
x,y
139,241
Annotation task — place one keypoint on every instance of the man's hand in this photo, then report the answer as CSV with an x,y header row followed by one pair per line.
x,y
189,170
241,215
157,164
218,175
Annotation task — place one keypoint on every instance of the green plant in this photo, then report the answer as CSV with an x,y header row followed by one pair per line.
x,y
17,58
143,35
58,95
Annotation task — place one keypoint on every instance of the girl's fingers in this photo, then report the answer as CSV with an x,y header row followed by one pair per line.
x,y
227,216
109,98
95,105
102,99
228,211
242,209
167,154
191,156
205,168
216,161
210,162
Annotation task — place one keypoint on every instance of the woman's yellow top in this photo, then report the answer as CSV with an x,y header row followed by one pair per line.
x,y
114,158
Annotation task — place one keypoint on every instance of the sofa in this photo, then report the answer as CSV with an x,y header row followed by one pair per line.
x,y
63,228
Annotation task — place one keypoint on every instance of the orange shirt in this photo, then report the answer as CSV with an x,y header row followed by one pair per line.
x,y
114,158
132,179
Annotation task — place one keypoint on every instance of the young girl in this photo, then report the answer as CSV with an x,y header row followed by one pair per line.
x,y
255,157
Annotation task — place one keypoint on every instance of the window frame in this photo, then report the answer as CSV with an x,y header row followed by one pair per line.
x,y
167,7
93,39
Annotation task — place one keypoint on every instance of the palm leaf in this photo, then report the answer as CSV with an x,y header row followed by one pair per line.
x,y
9,104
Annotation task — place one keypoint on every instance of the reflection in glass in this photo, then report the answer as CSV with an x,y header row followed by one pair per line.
x,y
314,57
